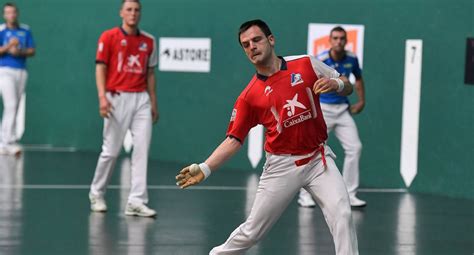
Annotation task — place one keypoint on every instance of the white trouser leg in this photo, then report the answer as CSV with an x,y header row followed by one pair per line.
x,y
278,185
9,88
115,128
329,191
141,127
20,120
346,132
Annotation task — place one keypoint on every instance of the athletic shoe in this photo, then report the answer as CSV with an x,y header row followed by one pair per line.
x,y
10,149
14,149
139,210
3,150
355,202
305,199
97,204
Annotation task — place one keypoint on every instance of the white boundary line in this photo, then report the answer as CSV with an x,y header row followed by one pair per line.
x,y
47,147
382,190
165,187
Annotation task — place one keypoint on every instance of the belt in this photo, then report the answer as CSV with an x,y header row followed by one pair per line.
x,y
114,92
304,161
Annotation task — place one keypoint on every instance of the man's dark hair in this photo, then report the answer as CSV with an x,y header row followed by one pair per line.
x,y
10,4
338,29
256,22
133,1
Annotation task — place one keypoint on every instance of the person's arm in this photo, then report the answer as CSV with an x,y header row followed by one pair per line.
x,y
360,91
221,154
329,79
28,52
5,48
105,107
151,88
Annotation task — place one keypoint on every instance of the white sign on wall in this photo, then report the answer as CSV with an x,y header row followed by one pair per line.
x,y
318,39
185,54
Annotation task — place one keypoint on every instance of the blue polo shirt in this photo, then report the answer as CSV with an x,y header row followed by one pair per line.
x,y
347,65
23,34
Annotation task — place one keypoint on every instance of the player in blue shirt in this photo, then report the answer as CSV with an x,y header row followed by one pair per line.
x,y
16,45
337,113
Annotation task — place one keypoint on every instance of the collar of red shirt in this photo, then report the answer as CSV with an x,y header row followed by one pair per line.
x,y
125,33
282,67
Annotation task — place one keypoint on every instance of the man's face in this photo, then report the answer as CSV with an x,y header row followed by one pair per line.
x,y
338,40
256,45
130,13
10,14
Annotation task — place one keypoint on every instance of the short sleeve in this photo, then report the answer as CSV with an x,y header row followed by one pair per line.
x,y
356,69
2,37
30,42
323,70
243,118
103,49
153,56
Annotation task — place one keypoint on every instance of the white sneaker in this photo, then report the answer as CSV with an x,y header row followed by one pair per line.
x,y
305,199
97,204
355,202
3,150
139,210
10,149
14,149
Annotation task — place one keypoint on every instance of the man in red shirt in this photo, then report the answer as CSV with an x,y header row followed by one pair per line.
x,y
284,97
125,77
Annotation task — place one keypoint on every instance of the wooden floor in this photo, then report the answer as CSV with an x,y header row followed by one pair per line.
x,y
44,210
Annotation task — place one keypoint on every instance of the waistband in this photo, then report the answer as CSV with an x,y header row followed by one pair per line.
x,y
306,160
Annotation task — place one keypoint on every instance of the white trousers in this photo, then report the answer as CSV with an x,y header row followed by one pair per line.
x,y
12,86
339,119
280,182
130,111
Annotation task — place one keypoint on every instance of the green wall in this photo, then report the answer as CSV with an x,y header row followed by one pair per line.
x,y
62,107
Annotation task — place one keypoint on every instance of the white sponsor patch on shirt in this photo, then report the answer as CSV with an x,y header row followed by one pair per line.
x,y
234,113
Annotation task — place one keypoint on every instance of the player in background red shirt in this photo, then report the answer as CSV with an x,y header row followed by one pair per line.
x,y
283,96
125,77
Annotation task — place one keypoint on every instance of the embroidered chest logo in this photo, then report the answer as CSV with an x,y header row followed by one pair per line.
x,y
296,116
134,60
292,104
143,46
133,64
268,90
296,79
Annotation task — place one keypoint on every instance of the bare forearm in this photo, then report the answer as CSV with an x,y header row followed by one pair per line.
x,y
100,78
223,153
29,52
360,89
151,85
4,49
347,87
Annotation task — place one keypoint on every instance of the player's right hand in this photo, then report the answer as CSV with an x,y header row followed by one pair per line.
x,y
187,178
14,41
324,85
105,108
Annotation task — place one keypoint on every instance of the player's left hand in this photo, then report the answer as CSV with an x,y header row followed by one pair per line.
x,y
324,85
186,178
357,107
14,51
155,114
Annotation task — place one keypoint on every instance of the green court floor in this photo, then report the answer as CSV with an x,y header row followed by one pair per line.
x,y
44,210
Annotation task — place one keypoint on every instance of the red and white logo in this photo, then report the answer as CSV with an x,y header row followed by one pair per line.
x,y
292,105
133,64
268,90
295,116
